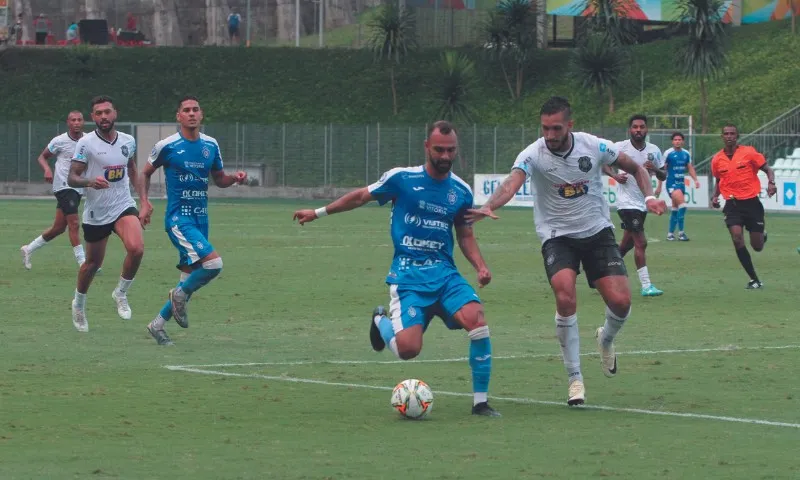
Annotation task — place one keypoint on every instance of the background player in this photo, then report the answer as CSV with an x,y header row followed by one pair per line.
x,y
67,198
736,169
104,160
427,202
572,221
630,199
677,161
189,158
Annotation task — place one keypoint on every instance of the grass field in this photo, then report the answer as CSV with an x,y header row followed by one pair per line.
x,y
275,377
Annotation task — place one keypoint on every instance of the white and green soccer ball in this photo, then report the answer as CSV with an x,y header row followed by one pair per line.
x,y
412,398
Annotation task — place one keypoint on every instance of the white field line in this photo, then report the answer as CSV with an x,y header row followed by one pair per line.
x,y
522,400
729,348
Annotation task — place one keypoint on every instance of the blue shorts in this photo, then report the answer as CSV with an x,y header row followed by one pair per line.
x,y
411,305
191,241
676,186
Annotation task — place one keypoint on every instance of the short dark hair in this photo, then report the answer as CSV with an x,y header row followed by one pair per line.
x,y
443,126
185,98
638,116
677,134
555,105
100,99
74,111
730,125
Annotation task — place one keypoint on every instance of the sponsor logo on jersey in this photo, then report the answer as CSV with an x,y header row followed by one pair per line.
x,y
421,244
114,173
573,190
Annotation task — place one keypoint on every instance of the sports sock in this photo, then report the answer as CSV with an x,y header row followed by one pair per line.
x,y
158,323
747,262
681,217
201,276
568,338
80,256
387,333
480,361
123,286
80,299
166,310
644,277
612,326
673,220
37,243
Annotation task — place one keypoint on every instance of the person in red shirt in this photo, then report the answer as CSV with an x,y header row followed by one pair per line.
x,y
736,169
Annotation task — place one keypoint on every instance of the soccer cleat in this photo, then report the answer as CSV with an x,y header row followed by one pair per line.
x,y
79,318
577,393
178,301
123,309
374,333
765,237
754,284
160,336
608,356
651,291
682,237
485,410
26,257
670,237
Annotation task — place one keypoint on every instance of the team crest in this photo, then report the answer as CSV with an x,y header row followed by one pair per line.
x,y
206,153
412,312
422,204
650,157
124,150
585,164
451,197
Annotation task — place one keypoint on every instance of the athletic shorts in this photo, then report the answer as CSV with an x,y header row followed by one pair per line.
x,y
67,200
598,254
677,186
632,219
411,305
95,233
748,213
192,243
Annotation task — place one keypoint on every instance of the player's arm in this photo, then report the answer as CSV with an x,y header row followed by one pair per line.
x,y
642,177
660,173
693,174
469,247
223,180
133,174
346,202
500,197
43,159
772,189
76,179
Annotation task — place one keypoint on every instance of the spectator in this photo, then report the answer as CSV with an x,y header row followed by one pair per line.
x,y
15,33
130,23
42,29
233,26
72,33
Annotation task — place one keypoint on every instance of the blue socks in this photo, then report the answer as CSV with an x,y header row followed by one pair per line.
x,y
200,277
480,361
673,220
681,217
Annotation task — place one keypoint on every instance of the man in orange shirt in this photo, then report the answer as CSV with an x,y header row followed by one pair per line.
x,y
736,169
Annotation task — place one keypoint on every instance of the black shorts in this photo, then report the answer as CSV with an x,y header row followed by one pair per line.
x,y
599,255
95,233
632,219
748,213
233,31
67,201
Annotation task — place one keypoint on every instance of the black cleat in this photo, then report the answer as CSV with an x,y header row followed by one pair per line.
x,y
160,336
484,409
765,237
754,284
374,334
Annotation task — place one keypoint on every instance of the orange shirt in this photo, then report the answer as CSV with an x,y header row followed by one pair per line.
x,y
738,176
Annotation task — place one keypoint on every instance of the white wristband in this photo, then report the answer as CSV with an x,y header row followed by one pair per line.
x,y
651,197
321,212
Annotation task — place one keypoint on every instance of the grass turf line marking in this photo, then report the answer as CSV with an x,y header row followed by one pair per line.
x,y
522,400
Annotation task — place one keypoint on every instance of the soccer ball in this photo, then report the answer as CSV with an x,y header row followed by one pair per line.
x,y
412,398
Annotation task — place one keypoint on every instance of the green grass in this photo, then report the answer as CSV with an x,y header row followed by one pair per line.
x,y
102,405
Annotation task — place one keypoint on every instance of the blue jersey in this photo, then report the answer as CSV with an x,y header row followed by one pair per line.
x,y
424,211
676,162
187,165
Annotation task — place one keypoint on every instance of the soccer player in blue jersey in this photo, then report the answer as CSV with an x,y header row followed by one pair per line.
x,y
677,161
189,158
428,201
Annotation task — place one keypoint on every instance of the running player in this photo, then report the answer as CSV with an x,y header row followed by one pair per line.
x,y
103,162
677,161
572,221
427,202
67,198
189,158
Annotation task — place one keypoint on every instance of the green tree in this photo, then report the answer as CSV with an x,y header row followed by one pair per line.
x,y
609,17
705,50
599,63
457,77
510,39
393,38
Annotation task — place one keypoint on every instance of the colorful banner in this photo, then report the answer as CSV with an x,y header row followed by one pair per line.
x,y
667,10
757,11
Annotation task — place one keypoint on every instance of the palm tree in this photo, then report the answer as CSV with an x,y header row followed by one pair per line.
x,y
705,51
393,38
599,63
457,77
510,33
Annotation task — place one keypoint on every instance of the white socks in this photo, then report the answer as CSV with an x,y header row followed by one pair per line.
x,y
158,323
80,256
612,326
570,340
123,286
37,243
480,397
80,299
644,277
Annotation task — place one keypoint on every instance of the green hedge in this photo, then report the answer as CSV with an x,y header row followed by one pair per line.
x,y
276,85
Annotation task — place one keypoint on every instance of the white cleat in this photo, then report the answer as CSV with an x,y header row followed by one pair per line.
x,y
608,356
79,318
577,393
123,309
26,257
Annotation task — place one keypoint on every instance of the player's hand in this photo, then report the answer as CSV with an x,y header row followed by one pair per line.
x,y
98,183
621,177
715,202
145,213
241,177
476,214
48,175
304,216
697,184
650,166
484,277
771,189
657,193
656,206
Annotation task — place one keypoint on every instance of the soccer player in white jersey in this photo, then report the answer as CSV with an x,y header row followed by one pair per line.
x,y
630,199
189,158
572,221
103,163
62,148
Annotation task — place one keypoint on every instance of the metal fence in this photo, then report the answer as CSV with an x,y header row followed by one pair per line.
x,y
328,155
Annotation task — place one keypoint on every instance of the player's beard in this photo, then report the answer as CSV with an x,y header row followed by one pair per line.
x,y
441,166
557,144
637,137
105,128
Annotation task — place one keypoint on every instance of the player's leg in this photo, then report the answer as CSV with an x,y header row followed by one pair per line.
x,y
640,257
58,227
756,224
156,327
206,263
461,304
735,221
68,205
626,244
96,237
562,264
679,200
673,216
401,328
129,230
606,270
